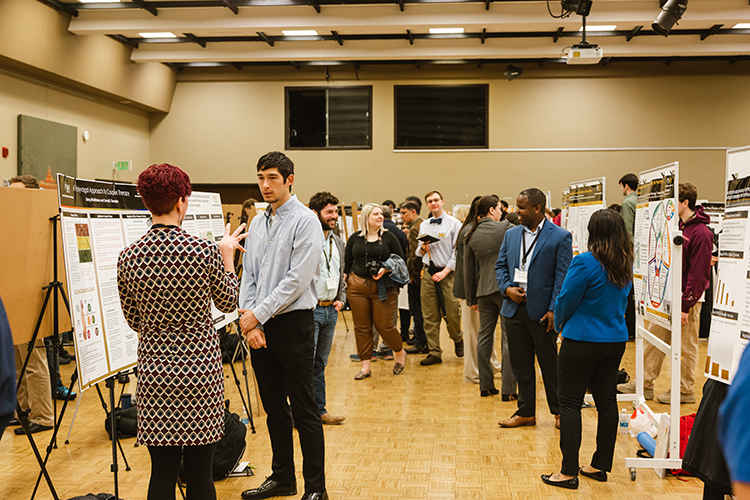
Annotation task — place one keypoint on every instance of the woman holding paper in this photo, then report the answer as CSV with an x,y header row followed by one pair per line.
x,y
590,314
167,281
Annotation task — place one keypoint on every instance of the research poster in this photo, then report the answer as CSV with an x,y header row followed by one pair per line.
x,y
656,221
584,198
98,220
730,321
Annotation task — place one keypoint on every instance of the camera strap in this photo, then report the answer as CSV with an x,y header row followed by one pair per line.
x,y
380,249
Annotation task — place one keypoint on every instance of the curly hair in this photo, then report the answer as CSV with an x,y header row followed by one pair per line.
x,y
161,186
320,200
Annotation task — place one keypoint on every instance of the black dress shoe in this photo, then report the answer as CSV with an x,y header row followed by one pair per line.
x,y
460,349
271,488
486,393
430,360
600,476
33,428
14,421
510,397
317,495
571,484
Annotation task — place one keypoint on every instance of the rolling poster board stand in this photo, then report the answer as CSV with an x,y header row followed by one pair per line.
x,y
730,321
658,293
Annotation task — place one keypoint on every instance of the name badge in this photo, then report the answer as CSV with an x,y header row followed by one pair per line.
x,y
332,283
521,277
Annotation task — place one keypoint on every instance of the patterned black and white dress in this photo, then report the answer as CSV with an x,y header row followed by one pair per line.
x,y
166,282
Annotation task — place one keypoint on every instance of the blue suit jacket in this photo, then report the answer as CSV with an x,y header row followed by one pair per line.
x,y
549,264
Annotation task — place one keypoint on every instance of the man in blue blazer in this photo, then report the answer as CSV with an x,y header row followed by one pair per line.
x,y
530,270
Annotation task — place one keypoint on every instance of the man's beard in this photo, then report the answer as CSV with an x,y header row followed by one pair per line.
x,y
325,225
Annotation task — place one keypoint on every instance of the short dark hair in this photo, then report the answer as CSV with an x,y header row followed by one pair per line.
x,y
504,204
320,200
630,180
535,196
161,186
431,193
249,203
409,205
512,218
688,192
387,214
417,200
28,181
278,160
389,203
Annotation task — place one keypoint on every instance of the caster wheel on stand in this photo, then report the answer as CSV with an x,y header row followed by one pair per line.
x,y
632,473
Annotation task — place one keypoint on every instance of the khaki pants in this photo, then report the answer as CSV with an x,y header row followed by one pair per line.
x,y
470,323
432,315
653,357
35,391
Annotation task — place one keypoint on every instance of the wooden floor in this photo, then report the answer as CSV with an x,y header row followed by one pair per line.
x,y
425,434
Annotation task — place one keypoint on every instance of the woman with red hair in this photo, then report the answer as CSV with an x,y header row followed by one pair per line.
x,y
167,281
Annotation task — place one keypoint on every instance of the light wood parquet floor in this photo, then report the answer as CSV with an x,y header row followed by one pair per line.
x,y
425,434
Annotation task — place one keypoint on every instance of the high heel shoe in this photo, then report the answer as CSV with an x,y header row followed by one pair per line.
x,y
484,394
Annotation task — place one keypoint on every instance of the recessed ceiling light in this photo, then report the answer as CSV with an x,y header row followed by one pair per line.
x,y
741,26
99,1
605,27
165,34
445,31
300,33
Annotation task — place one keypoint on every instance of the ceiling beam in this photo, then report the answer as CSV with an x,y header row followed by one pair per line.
x,y
558,34
401,5
337,37
265,38
315,5
633,33
143,5
231,7
410,37
484,35
711,31
62,7
195,39
124,40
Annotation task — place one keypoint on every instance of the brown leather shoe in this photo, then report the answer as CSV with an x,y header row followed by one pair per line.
x,y
518,421
418,349
430,360
557,421
329,419
460,348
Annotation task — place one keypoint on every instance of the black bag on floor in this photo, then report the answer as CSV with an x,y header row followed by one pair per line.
x,y
125,421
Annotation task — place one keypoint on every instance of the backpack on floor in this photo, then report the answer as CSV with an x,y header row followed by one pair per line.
x,y
126,423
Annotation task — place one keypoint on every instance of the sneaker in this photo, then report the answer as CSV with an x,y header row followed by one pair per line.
x,y
355,357
62,392
386,354
666,398
629,388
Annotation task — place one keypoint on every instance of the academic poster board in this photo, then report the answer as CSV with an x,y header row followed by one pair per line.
x,y
656,222
565,208
584,198
100,219
730,317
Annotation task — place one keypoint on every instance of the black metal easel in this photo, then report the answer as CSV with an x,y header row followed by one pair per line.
x,y
241,347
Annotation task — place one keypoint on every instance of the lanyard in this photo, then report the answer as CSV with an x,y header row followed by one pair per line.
x,y
330,253
527,251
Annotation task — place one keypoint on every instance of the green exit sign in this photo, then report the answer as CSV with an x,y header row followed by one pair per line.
x,y
122,165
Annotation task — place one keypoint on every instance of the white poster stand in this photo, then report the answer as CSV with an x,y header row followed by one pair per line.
x,y
584,198
730,320
98,220
658,286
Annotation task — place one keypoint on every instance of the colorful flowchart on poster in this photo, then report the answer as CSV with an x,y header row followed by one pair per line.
x,y
98,220
656,221
584,198
730,317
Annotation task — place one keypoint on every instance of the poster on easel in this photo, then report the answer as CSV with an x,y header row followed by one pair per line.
x,y
656,221
98,220
584,198
730,317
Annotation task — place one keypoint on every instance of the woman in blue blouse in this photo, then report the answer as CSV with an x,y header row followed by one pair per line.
x,y
590,314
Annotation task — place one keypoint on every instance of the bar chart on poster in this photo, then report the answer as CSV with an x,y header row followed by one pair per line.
x,y
99,219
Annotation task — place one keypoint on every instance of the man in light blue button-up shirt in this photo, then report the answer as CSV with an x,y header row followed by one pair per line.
x,y
277,296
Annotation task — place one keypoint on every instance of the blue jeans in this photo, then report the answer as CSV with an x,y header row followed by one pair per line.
x,y
325,328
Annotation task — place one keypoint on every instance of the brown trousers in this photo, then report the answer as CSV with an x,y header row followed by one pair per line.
x,y
368,310
653,357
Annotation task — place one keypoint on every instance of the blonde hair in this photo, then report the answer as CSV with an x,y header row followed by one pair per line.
x,y
365,218
461,213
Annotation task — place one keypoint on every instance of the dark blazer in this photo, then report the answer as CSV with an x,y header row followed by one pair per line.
x,y
547,268
458,283
480,257
414,263
341,293
392,227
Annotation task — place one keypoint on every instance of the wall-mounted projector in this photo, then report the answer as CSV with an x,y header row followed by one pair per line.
x,y
584,53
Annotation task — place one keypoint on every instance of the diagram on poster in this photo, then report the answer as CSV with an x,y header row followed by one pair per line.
x,y
730,317
99,219
655,224
584,198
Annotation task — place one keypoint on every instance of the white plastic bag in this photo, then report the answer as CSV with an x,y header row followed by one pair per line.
x,y
639,422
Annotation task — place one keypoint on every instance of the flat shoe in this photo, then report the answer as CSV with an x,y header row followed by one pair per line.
x,y
398,368
571,484
361,375
488,392
600,476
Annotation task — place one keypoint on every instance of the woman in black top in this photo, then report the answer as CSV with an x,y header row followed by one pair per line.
x,y
366,251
